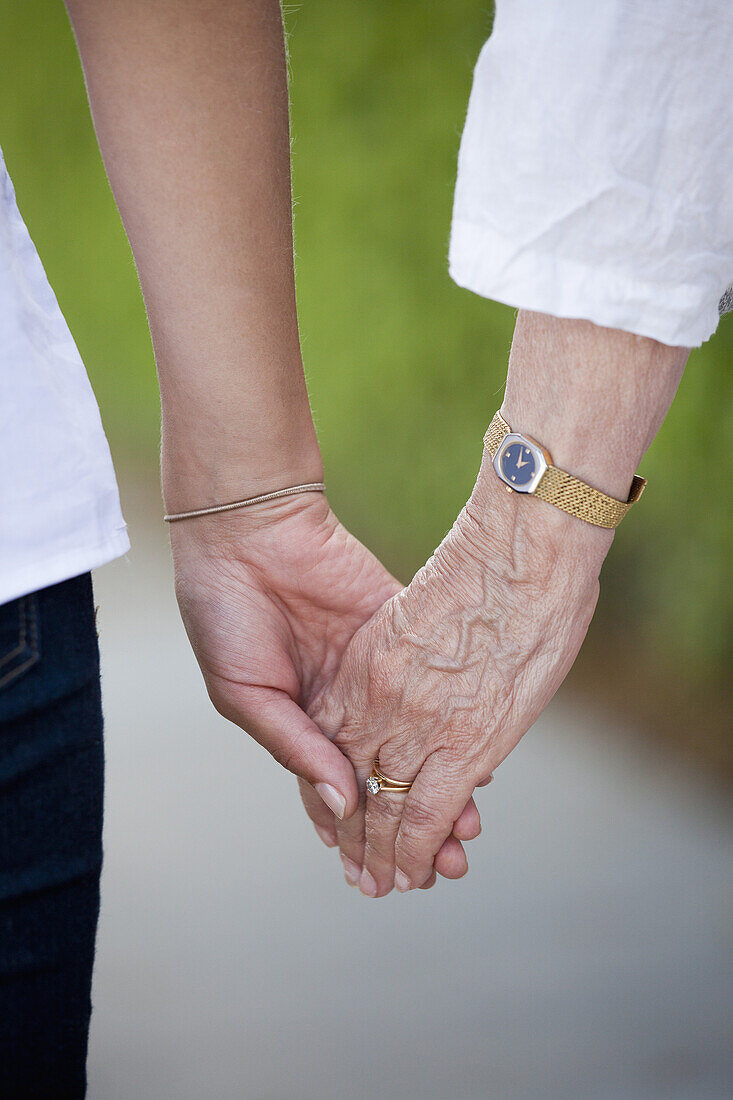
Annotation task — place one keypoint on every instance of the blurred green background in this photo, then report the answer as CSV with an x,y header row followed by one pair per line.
x,y
405,370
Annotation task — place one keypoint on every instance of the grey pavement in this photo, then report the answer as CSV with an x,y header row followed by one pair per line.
x,y
587,953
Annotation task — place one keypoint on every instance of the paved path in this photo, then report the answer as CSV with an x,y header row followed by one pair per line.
x,y
586,955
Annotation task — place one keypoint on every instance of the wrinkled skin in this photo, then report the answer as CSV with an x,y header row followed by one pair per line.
x,y
450,673
270,597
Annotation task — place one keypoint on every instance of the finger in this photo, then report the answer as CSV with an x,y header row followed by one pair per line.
x,y
350,833
468,825
350,836
323,819
430,882
350,839
437,798
382,823
451,861
399,759
352,870
328,836
296,742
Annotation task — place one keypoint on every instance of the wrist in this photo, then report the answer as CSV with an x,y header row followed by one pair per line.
x,y
601,454
532,538
203,473
274,529
593,397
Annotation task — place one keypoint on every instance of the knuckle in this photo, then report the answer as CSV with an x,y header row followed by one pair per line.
x,y
384,811
288,757
358,742
292,754
420,817
378,852
327,713
349,736
409,853
381,839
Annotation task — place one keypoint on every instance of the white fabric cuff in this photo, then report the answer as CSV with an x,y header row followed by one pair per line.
x,y
483,261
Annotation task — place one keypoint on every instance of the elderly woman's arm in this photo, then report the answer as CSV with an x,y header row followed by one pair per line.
x,y
446,678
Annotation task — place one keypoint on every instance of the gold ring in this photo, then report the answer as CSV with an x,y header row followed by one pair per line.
x,y
378,781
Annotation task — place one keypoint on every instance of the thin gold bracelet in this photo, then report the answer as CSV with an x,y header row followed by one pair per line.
x,y
309,487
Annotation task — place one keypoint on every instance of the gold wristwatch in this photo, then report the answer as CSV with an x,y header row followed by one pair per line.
x,y
526,467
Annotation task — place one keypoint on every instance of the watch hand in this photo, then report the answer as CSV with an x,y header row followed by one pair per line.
x,y
519,462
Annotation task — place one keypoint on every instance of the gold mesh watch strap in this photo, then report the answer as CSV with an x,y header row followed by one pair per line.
x,y
570,493
574,496
495,433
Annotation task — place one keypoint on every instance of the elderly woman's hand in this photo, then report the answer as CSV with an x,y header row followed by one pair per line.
x,y
450,673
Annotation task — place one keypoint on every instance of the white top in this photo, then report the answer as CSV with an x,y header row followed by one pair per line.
x,y
595,176
595,180
59,506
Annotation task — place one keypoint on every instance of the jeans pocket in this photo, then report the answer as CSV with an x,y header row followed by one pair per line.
x,y
19,642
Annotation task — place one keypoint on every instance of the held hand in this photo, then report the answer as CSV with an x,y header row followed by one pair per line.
x,y
270,597
446,678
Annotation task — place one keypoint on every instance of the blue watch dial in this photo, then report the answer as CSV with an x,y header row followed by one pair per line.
x,y
518,464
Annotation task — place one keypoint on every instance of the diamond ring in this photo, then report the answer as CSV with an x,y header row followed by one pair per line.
x,y
378,781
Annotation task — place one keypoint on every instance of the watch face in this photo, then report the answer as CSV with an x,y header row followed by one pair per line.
x,y
520,463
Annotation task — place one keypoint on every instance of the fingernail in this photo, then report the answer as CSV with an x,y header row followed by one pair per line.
x,y
367,884
402,882
333,799
328,838
351,870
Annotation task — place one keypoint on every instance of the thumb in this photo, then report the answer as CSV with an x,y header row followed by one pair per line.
x,y
296,742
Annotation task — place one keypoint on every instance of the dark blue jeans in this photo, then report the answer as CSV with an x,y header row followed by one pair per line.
x,y
51,784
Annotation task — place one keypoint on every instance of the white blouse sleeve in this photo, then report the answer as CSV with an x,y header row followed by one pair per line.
x,y
595,176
